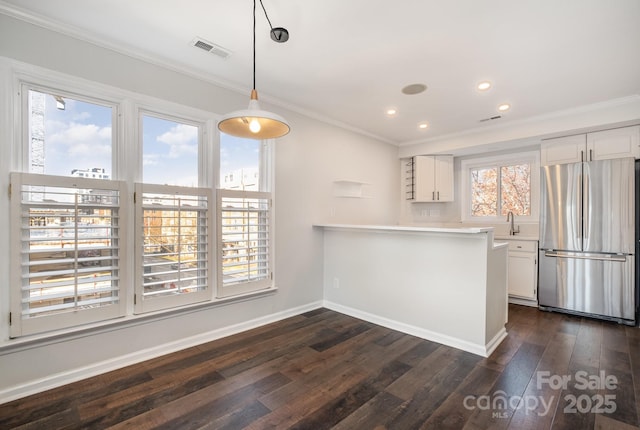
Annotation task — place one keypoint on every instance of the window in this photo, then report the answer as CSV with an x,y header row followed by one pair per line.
x,y
499,185
242,163
67,215
245,241
94,163
175,235
69,237
68,136
169,151
245,249
173,216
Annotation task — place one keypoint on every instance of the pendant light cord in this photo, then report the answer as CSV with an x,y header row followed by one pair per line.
x,y
275,36
254,42
265,14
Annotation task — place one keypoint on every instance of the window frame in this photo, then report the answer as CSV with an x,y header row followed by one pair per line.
x,y
499,161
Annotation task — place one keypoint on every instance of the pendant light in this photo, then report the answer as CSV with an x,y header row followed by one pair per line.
x,y
253,122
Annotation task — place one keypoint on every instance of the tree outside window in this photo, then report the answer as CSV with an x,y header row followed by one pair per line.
x,y
512,183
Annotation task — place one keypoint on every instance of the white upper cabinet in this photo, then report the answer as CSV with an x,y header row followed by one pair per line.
x,y
600,145
616,143
432,178
563,150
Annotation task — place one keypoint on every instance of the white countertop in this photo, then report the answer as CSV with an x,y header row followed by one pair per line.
x,y
463,230
516,237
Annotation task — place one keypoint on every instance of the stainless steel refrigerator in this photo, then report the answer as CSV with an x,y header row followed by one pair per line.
x,y
587,239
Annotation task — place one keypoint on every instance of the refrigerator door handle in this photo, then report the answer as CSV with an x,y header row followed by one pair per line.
x,y
585,207
579,216
619,258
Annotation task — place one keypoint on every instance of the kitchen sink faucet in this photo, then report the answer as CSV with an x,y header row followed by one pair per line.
x,y
512,230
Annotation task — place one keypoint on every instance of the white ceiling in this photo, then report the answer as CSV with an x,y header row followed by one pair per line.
x,y
347,60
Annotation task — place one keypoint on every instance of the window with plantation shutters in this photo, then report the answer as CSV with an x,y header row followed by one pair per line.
x,y
174,239
114,209
244,248
69,237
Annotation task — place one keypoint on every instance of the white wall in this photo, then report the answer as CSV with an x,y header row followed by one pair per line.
x,y
307,161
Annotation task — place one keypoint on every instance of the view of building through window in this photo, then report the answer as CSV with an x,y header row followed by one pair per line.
x,y
70,248
501,189
245,212
239,163
175,242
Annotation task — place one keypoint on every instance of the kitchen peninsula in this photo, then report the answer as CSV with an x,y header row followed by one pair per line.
x,y
448,285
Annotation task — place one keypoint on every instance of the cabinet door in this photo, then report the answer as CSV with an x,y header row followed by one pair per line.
x,y
522,275
425,187
563,150
444,178
615,143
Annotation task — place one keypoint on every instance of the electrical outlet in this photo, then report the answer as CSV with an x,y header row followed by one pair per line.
x,y
424,213
336,283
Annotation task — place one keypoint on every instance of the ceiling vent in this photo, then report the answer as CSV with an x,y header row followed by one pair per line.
x,y
491,119
210,47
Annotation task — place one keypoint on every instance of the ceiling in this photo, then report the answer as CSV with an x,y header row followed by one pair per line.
x,y
347,60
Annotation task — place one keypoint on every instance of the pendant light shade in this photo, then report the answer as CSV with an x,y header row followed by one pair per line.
x,y
253,122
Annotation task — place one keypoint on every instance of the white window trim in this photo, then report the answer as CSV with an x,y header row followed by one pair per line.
x,y
467,165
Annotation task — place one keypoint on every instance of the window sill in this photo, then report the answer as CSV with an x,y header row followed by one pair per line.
x,y
38,340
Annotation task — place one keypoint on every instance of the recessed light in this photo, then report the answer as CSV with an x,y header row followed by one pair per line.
x,y
414,89
391,112
484,86
504,107
423,126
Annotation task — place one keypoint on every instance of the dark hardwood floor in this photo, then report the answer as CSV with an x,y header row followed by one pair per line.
x,y
324,370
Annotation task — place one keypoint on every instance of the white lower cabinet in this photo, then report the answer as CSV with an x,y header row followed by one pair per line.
x,y
523,271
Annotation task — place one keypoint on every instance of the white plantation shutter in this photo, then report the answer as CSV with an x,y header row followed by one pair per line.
x,y
244,241
69,261
174,236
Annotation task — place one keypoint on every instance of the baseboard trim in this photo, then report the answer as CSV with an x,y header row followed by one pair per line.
x,y
523,302
478,349
63,378
493,343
